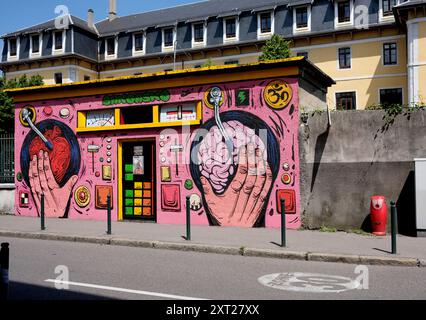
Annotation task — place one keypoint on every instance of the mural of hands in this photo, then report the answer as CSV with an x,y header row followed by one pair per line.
x,y
243,202
42,181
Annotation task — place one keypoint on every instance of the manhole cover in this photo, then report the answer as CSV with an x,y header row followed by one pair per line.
x,y
308,282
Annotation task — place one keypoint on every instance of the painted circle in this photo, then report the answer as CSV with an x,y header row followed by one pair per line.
x,y
286,166
214,91
308,282
278,94
195,202
109,160
97,174
101,160
109,147
33,115
48,111
64,113
189,185
19,176
286,178
109,140
82,196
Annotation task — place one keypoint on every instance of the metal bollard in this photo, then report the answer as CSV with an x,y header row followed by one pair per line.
x,y
393,226
283,227
188,218
109,214
42,213
4,271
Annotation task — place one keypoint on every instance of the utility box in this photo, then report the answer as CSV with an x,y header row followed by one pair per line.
x,y
420,173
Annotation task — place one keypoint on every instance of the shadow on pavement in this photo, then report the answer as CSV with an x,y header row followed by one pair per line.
x,y
25,291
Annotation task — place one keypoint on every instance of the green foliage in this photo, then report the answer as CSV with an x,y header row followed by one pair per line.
x,y
275,48
327,229
207,64
6,102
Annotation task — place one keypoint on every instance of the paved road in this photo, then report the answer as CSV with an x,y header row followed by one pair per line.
x,y
145,274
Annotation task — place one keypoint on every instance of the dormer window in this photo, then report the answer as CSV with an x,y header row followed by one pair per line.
x,y
138,43
344,13
111,48
385,9
13,48
198,34
58,40
169,37
35,45
302,19
231,29
265,24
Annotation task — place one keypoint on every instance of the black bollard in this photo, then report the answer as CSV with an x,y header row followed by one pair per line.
x,y
283,227
109,214
393,226
188,218
4,271
42,213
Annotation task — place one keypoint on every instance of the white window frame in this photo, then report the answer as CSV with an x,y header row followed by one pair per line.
x,y
383,18
349,23
40,45
346,91
58,51
193,42
168,48
18,48
264,35
111,56
305,29
237,29
138,52
385,88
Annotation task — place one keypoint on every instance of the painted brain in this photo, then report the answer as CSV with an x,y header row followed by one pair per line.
x,y
215,164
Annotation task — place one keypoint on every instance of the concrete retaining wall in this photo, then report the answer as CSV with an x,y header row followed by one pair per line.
x,y
359,156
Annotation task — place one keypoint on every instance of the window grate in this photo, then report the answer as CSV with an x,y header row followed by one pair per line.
x,y
7,158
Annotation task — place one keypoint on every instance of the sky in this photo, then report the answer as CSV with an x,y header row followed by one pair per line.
x,y
19,14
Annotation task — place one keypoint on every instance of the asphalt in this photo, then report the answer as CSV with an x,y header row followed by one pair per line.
x,y
304,245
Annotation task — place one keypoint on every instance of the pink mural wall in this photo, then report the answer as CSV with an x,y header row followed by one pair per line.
x,y
235,165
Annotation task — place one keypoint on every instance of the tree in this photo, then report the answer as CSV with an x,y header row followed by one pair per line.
x,y
6,102
275,48
208,63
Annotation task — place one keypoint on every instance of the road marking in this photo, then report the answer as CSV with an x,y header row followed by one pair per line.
x,y
145,293
309,282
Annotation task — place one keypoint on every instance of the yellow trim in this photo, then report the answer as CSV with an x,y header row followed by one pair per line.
x,y
200,110
156,114
119,180
188,80
117,116
81,119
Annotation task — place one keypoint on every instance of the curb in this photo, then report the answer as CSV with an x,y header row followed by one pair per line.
x,y
238,251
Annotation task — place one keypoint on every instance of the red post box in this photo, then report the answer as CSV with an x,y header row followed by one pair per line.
x,y
378,214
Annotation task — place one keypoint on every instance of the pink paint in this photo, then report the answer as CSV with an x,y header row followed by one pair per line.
x,y
283,124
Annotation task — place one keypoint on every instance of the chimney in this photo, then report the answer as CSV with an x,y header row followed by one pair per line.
x,y
90,22
112,10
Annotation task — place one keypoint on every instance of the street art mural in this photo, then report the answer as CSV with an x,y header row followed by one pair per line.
x,y
232,148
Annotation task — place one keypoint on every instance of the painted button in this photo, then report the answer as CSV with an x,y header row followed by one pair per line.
x,y
109,147
101,159
82,196
108,154
162,144
189,184
97,174
286,178
286,166
109,140
64,113
47,111
162,137
163,159
109,160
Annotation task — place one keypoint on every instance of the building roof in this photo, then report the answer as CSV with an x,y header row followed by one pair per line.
x,y
305,70
163,17
50,25
182,13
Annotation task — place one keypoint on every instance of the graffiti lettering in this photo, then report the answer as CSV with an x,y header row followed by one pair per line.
x,y
145,97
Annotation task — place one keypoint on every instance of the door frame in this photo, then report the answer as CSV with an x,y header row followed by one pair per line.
x,y
120,142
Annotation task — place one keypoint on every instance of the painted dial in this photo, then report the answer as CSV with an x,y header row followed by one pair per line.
x,y
82,196
100,118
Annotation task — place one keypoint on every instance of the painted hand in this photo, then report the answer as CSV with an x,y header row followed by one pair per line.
x,y
43,182
243,201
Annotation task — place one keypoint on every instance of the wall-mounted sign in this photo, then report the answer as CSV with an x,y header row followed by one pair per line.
x,y
278,94
178,112
144,97
100,118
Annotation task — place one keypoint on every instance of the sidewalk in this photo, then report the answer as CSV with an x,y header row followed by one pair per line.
x,y
301,245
